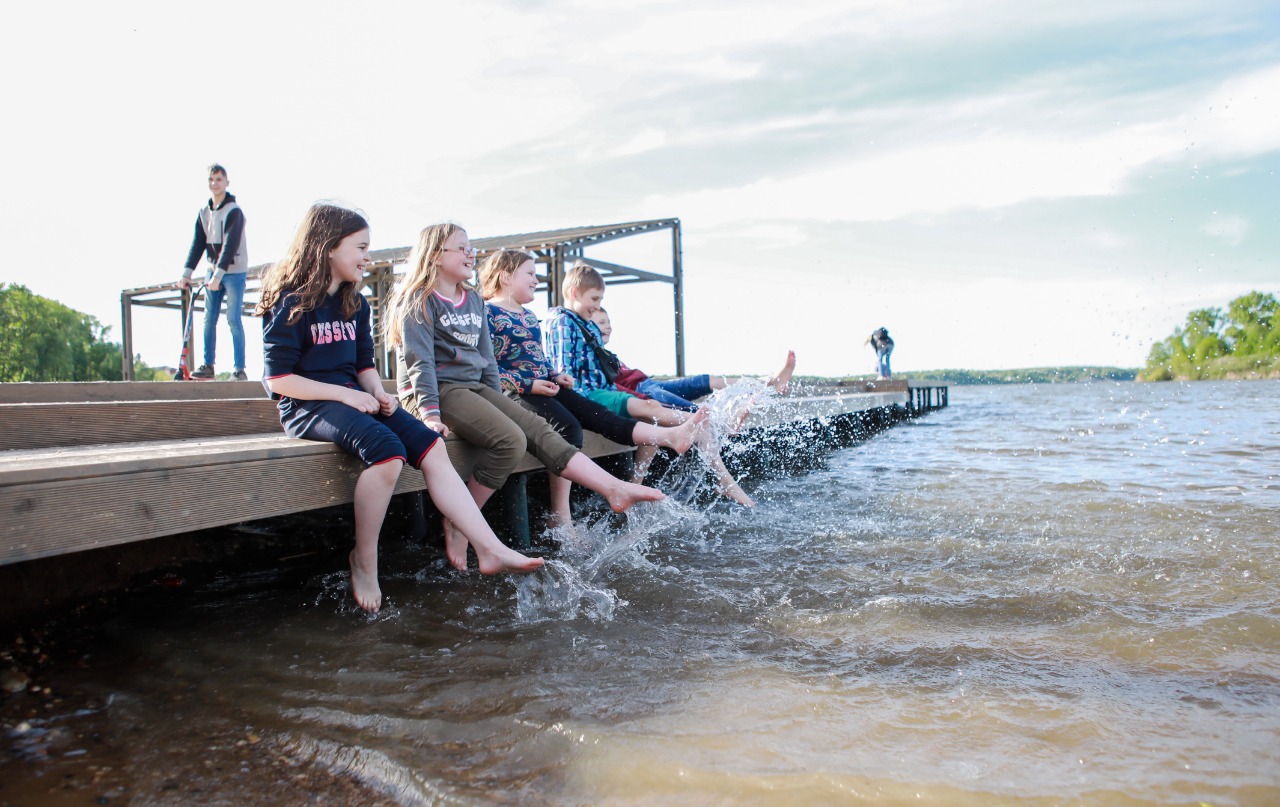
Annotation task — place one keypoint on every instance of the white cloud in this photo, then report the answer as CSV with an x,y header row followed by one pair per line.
x,y
989,157
1231,230
644,140
1101,238
1240,118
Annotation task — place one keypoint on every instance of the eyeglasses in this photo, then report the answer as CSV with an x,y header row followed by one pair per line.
x,y
468,250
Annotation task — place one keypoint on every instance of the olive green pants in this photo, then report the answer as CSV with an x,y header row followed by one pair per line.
x,y
503,428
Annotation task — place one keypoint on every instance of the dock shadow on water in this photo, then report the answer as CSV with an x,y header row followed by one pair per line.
x,y
1042,595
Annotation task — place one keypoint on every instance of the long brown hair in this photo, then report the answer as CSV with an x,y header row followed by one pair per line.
x,y
303,272
502,262
423,270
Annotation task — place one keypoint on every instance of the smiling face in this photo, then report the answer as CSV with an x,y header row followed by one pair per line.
x,y
584,302
601,318
348,260
457,260
523,283
217,183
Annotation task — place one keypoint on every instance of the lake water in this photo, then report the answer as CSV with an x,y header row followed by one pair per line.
x,y
1041,595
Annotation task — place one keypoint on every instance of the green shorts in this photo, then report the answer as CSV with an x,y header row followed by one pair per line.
x,y
613,400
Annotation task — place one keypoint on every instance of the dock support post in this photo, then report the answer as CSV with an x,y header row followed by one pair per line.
x,y
126,336
677,282
509,513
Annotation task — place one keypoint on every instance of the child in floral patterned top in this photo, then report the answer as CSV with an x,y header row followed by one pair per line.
x,y
508,281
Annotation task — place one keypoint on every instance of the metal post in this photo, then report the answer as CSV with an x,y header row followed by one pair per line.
x,y
126,337
555,278
189,301
677,274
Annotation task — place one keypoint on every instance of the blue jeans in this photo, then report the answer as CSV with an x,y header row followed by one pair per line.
x,y
882,362
677,393
232,288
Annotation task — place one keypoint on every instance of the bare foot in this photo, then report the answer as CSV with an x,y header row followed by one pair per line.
x,y
364,584
455,546
782,380
625,494
737,494
681,438
502,558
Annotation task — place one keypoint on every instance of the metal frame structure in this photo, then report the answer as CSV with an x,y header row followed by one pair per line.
x,y
553,250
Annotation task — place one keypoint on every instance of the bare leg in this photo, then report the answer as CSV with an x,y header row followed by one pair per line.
x,y
560,490
460,505
782,379
726,485
618,493
640,463
678,438
373,493
455,543
654,412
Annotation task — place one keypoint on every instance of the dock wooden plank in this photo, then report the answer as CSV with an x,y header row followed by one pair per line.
x,y
46,425
73,391
62,500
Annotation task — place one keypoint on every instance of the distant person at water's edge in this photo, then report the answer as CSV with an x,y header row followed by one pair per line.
x,y
508,281
883,344
318,349
220,238
447,376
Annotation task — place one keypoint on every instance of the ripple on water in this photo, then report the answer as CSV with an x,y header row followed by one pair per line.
x,y
1046,596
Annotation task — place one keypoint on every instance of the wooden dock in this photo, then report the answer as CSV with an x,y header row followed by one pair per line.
x,y
90,465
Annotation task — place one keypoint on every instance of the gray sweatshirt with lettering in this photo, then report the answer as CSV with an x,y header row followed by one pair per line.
x,y
444,344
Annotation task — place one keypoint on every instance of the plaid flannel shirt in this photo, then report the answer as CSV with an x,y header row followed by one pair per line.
x,y
569,352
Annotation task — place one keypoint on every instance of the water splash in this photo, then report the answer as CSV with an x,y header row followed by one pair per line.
x,y
575,584
572,585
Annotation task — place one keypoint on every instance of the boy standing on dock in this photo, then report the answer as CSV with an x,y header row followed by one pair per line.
x,y
220,237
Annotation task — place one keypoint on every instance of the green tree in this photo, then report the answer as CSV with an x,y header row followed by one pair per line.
x,y
1242,342
1251,319
44,340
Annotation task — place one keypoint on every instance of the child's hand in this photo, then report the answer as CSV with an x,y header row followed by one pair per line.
x,y
387,403
543,387
437,425
360,401
565,380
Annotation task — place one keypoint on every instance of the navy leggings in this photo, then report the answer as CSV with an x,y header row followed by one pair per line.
x,y
373,438
569,413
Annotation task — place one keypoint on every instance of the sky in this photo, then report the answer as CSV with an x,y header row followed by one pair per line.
x,y
1000,184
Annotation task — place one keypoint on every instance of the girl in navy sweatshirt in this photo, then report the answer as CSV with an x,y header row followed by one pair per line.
x,y
319,366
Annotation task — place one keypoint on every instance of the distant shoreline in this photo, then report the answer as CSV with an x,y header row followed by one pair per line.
x,y
1027,375
1040,375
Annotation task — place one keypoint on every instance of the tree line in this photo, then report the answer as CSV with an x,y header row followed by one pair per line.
x,y
44,340
1241,342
